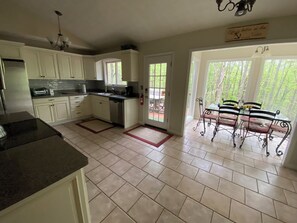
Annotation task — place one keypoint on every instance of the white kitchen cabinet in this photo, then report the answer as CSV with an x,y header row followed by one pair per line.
x,y
64,201
100,107
44,111
89,68
130,112
129,65
77,70
52,109
48,64
80,106
31,58
40,64
64,63
70,67
10,49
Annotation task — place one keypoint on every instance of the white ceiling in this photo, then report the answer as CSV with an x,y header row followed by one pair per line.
x,y
108,23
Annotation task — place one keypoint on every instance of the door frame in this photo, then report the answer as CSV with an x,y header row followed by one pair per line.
x,y
168,87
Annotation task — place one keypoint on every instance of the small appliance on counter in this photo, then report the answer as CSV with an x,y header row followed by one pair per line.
x,y
129,91
40,91
82,88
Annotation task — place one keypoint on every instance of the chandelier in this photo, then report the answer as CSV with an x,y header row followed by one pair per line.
x,y
62,41
243,6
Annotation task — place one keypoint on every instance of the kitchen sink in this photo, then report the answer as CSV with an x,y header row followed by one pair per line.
x,y
105,94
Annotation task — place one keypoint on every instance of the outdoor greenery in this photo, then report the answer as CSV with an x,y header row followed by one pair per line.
x,y
157,75
278,86
226,79
114,73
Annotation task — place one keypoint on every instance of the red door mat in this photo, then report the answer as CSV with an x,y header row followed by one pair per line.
x,y
148,135
95,125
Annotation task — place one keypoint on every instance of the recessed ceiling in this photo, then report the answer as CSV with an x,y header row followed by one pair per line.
x,y
109,23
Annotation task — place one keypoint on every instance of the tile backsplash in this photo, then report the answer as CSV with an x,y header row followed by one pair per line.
x,y
66,84
75,85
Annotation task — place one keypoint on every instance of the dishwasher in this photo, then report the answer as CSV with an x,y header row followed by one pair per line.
x,y
116,111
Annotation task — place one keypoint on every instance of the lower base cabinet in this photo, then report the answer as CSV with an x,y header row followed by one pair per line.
x,y
52,109
64,201
100,107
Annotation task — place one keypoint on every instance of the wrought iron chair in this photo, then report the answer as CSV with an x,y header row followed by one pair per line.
x,y
204,114
228,116
282,127
262,126
230,102
249,105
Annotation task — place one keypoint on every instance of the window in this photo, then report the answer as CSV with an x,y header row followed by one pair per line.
x,y
113,73
226,79
278,86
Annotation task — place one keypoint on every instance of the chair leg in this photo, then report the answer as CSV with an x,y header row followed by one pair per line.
x,y
214,132
194,128
266,145
244,136
233,136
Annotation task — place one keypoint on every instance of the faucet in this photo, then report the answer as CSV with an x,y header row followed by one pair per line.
x,y
113,89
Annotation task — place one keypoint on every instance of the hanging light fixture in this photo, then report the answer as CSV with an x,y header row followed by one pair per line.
x,y
243,6
62,41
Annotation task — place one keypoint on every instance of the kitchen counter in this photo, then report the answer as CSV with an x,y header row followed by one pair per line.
x,y
32,166
103,94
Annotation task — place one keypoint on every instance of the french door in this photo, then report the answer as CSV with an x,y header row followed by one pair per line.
x,y
157,71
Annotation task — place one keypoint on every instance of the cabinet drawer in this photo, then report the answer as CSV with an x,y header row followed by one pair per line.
x,y
77,97
100,98
46,100
75,102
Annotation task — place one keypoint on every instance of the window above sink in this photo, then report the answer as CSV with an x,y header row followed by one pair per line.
x,y
113,72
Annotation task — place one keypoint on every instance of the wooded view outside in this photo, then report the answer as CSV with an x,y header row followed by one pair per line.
x,y
278,86
157,88
114,73
226,79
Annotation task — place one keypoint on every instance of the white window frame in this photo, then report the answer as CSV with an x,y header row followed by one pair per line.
x,y
105,62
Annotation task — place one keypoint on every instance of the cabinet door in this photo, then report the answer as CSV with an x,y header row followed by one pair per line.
x,y
32,63
130,66
77,67
44,111
105,110
99,70
48,65
96,107
64,63
61,110
86,106
89,68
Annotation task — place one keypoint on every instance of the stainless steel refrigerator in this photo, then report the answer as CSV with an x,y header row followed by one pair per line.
x,y
14,87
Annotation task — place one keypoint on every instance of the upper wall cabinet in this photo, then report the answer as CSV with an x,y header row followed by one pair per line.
x,y
129,65
40,64
70,67
91,69
10,49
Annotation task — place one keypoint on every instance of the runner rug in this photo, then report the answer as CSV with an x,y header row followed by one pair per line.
x,y
154,137
95,125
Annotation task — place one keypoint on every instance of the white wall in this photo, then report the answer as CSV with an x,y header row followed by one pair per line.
x,y
17,24
280,30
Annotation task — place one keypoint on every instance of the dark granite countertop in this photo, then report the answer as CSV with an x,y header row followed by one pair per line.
x,y
66,94
15,117
29,168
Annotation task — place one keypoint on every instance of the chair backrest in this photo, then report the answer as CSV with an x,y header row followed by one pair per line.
x,y
265,116
253,105
230,102
228,112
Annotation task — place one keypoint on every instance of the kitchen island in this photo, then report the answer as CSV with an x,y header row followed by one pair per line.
x,y
41,180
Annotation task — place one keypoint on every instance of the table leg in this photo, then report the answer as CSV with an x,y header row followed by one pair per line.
x,y
289,128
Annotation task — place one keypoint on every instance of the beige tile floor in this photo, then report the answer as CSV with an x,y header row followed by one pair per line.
x,y
187,179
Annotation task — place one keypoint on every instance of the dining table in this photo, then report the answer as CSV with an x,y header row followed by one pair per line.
x,y
280,119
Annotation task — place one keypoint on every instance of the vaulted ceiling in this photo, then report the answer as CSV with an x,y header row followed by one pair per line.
x,y
100,24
